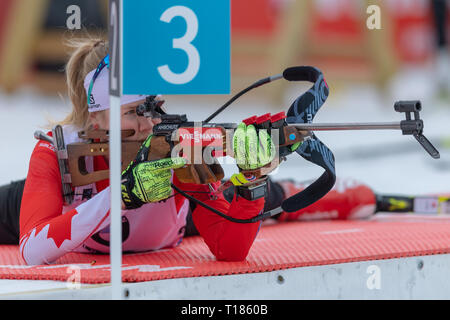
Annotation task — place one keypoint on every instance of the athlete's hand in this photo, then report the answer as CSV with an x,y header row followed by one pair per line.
x,y
147,181
252,149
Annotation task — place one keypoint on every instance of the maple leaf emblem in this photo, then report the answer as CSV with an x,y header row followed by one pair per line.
x,y
60,228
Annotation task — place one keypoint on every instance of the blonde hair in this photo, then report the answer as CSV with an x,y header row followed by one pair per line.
x,y
87,54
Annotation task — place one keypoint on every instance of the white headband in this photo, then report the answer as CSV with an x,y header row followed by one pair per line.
x,y
99,99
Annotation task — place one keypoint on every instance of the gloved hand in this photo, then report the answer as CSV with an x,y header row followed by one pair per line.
x,y
252,149
148,181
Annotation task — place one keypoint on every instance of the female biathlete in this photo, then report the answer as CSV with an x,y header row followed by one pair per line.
x,y
153,216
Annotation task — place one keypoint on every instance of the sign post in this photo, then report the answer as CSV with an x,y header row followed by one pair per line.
x,y
161,47
115,91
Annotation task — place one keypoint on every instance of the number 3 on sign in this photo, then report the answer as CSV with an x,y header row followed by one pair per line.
x,y
183,43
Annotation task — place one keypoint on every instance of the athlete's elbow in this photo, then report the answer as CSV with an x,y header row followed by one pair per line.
x,y
32,260
234,255
32,257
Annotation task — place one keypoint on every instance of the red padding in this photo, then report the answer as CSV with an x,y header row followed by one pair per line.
x,y
250,120
277,117
263,118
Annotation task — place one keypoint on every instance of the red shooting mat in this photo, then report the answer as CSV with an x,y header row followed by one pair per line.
x,y
278,246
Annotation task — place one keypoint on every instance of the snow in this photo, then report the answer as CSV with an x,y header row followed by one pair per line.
x,y
385,160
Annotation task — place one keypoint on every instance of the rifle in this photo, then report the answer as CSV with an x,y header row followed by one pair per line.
x,y
176,136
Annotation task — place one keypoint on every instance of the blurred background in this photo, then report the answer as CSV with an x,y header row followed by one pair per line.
x,y
367,70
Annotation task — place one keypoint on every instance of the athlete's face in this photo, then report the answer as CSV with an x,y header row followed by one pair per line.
x,y
142,126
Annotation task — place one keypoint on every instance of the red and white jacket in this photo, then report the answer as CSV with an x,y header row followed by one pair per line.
x,y
48,229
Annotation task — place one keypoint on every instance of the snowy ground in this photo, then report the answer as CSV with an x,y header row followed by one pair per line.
x,y
385,160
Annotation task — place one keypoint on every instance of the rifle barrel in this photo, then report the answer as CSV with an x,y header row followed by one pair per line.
x,y
349,126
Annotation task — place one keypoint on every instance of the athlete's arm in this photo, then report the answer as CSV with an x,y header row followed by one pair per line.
x,y
45,233
228,241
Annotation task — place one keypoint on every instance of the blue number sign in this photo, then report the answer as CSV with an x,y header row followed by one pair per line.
x,y
176,47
